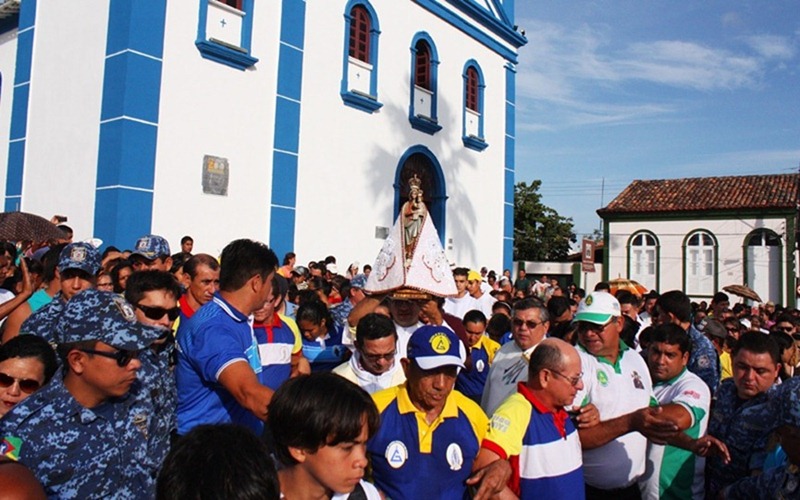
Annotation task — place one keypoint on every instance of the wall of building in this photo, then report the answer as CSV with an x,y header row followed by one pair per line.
x,y
730,234
349,157
63,115
8,56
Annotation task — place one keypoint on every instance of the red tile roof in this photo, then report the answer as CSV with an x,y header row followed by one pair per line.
x,y
707,193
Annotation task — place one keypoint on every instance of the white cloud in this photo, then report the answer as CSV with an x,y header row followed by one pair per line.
x,y
771,46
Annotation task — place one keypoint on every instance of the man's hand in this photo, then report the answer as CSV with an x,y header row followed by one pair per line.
x,y
491,479
650,423
709,445
588,416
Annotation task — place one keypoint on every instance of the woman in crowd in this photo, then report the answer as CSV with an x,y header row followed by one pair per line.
x,y
27,363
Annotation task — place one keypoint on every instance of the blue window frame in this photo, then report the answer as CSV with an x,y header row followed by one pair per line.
x,y
473,107
360,56
422,112
224,32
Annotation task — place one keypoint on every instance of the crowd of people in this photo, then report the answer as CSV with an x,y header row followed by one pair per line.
x,y
147,374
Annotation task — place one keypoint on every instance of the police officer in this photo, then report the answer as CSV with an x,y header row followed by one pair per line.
x,y
76,434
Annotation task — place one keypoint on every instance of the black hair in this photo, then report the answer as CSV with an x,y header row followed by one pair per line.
x,y
65,229
201,259
50,262
531,303
178,261
602,286
501,305
676,303
673,335
367,266
31,346
758,343
498,325
720,297
142,282
374,326
557,306
474,316
287,257
186,238
330,259
783,339
461,271
321,409
123,264
108,250
218,461
241,260
626,297
314,311
629,330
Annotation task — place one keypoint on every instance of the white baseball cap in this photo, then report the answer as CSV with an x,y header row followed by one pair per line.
x,y
598,308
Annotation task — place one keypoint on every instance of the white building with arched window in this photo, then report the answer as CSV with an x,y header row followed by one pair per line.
x,y
701,234
289,121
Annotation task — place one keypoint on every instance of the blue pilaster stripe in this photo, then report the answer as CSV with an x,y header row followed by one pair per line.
x,y
510,142
19,110
129,121
287,127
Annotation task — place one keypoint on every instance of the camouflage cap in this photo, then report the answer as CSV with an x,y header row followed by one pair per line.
x,y
106,317
81,256
358,281
151,247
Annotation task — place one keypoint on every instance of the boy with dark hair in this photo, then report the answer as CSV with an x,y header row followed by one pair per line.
x,y
471,381
320,424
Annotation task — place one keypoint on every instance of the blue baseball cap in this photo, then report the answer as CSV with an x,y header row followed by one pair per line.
x,y
358,281
151,247
105,317
81,256
436,346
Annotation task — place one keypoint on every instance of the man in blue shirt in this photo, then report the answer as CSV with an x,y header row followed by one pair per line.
x,y
218,358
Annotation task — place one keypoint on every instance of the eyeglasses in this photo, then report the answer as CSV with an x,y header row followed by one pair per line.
x,y
26,385
122,357
516,322
786,329
586,327
377,357
573,381
155,313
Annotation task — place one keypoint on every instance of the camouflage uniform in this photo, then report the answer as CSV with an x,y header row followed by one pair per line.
x,y
78,452
703,360
745,428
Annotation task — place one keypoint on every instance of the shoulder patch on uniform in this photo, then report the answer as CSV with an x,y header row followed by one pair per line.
x,y
10,446
500,423
455,457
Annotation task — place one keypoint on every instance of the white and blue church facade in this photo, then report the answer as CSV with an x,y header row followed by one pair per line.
x,y
293,122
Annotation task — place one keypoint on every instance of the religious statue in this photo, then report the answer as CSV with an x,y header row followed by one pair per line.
x,y
413,214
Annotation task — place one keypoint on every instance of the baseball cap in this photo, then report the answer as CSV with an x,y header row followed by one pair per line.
x,y
81,256
715,328
106,317
300,271
358,281
598,308
331,268
436,346
151,247
474,275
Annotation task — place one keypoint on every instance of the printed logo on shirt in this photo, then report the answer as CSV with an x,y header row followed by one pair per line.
x,y
9,447
455,457
480,365
602,378
500,424
396,454
691,394
637,380
440,343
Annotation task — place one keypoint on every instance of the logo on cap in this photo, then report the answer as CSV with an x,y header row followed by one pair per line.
x,y
589,300
77,254
125,309
143,244
440,343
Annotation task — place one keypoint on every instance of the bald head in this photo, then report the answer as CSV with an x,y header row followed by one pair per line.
x,y
554,374
552,354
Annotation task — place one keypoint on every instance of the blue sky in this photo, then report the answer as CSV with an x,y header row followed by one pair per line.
x,y
622,90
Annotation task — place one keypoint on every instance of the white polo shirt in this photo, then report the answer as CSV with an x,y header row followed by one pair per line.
x,y
510,366
671,471
615,390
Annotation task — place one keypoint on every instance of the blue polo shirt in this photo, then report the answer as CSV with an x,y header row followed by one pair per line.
x,y
470,382
214,338
325,354
412,459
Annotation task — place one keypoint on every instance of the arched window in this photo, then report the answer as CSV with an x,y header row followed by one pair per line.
x,y
474,87
643,259
424,67
700,264
360,62
359,33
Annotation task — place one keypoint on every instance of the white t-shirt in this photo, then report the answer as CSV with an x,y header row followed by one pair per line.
x,y
667,464
460,306
484,304
615,390
509,367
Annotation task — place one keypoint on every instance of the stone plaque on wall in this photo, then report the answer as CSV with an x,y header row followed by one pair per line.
x,y
215,175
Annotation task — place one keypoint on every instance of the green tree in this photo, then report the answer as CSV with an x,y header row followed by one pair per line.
x,y
540,233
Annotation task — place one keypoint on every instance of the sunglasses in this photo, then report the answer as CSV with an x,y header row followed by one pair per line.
x,y
586,327
530,324
377,357
26,385
156,313
121,357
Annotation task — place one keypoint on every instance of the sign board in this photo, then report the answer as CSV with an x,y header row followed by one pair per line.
x,y
587,255
215,175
